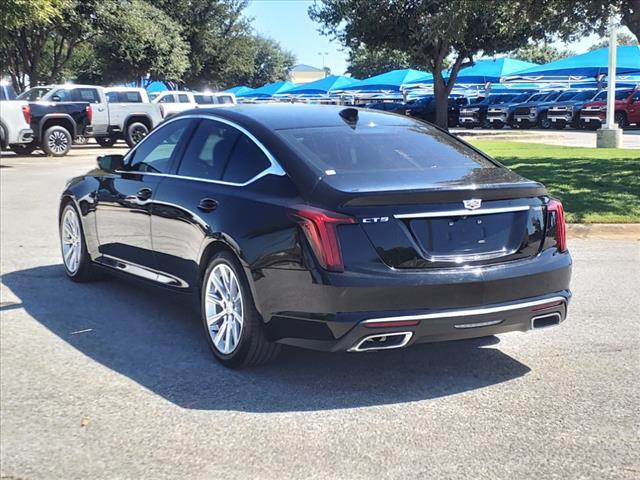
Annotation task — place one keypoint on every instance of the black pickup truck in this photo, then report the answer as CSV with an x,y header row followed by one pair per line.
x,y
56,124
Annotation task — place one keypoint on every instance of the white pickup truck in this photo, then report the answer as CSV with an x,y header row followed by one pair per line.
x,y
15,119
117,112
172,102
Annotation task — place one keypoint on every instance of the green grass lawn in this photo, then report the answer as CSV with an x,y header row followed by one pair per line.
x,y
596,185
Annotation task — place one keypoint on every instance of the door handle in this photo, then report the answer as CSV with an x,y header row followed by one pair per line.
x,y
144,194
207,205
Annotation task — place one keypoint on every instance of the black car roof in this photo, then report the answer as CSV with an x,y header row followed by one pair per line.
x,y
278,116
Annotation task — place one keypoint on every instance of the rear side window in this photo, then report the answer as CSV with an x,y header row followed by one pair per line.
x,y
34,94
111,97
246,161
208,150
383,156
183,98
155,153
85,95
204,99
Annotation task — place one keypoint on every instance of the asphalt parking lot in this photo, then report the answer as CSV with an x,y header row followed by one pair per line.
x,y
114,379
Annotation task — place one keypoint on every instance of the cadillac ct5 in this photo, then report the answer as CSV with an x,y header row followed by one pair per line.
x,y
324,227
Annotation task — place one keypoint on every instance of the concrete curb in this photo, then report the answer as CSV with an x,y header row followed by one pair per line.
x,y
604,231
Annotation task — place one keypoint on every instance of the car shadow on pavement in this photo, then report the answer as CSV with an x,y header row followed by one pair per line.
x,y
155,338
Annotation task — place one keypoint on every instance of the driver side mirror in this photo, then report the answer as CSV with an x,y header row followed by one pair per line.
x,y
111,163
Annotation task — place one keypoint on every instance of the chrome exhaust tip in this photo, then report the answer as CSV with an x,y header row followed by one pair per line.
x,y
382,341
545,321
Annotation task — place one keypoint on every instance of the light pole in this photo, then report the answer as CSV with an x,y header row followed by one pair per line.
x,y
323,54
610,135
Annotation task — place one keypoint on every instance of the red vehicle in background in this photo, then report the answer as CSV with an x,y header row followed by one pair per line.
x,y
627,112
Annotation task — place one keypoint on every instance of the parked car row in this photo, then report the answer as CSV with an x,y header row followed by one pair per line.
x,y
52,117
556,109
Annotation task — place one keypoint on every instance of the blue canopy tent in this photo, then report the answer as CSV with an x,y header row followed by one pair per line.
x,y
239,90
267,91
488,70
390,81
491,70
590,64
320,87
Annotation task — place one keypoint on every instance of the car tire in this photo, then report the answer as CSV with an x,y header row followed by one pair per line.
x,y
497,125
56,141
23,148
75,258
544,122
486,124
81,140
558,125
621,119
106,142
233,327
136,131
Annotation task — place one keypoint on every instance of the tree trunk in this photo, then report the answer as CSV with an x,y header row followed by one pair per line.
x,y
441,94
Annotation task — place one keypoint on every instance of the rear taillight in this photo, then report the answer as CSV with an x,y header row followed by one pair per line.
x,y
89,114
320,228
556,212
26,113
162,111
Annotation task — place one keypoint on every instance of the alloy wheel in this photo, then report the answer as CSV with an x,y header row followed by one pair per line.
x,y
57,142
138,134
71,240
224,308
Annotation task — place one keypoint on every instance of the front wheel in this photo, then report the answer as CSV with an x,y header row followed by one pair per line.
x,y
544,122
621,119
234,328
135,132
56,141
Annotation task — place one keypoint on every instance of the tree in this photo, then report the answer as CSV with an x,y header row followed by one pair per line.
x,y
429,31
219,39
540,53
365,62
630,10
137,40
623,39
270,62
38,48
18,13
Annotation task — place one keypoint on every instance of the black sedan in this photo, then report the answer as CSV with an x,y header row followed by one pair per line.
x,y
322,227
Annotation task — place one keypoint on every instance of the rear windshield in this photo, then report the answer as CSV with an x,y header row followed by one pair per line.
x,y
372,157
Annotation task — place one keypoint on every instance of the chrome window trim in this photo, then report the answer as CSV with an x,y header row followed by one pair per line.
x,y
273,169
468,312
461,212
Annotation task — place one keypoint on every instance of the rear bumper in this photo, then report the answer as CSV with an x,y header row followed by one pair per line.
x,y
25,136
335,311
434,325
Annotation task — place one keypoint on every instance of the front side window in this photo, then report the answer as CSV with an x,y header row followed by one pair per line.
x,y
85,95
208,150
182,98
155,153
130,97
111,97
60,95
246,161
225,99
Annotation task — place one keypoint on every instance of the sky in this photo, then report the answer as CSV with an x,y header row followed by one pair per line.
x,y
287,22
